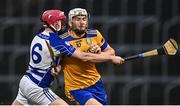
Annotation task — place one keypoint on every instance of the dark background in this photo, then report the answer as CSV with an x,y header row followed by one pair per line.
x,y
130,27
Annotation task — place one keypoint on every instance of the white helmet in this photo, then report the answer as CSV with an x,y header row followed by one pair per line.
x,y
76,12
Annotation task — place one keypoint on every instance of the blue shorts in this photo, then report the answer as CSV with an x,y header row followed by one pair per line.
x,y
96,91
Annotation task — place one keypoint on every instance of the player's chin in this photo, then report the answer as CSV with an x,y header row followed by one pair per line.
x,y
82,28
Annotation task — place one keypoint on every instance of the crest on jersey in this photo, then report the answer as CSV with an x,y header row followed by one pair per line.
x,y
78,43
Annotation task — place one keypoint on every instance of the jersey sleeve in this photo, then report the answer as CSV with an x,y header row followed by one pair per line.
x,y
101,41
61,45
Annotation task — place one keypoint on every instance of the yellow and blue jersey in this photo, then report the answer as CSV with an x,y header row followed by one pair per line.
x,y
79,74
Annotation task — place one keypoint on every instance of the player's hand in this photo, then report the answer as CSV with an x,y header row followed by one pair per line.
x,y
94,48
117,60
57,72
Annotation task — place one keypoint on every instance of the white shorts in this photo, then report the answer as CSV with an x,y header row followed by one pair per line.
x,y
32,94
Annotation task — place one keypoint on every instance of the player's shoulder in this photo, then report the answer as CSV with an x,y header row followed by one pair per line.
x,y
94,31
91,31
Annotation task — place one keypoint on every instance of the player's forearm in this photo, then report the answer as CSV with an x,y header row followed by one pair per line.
x,y
97,58
102,57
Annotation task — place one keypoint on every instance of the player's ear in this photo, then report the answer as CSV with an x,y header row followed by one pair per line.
x,y
70,23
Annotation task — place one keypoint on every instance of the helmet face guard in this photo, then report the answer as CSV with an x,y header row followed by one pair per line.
x,y
51,16
77,12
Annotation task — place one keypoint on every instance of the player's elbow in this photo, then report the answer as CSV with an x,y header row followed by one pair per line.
x,y
110,52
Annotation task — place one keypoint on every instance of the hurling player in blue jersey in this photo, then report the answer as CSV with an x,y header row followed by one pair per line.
x,y
34,85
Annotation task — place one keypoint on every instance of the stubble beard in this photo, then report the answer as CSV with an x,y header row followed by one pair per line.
x,y
79,31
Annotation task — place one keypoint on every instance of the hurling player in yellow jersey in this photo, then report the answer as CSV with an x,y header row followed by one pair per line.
x,y
83,83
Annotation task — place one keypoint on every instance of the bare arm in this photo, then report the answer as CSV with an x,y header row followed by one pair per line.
x,y
102,57
109,51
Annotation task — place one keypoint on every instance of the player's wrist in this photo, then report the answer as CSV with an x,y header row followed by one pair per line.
x,y
112,58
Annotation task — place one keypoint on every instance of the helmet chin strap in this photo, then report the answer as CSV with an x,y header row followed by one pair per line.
x,y
51,27
57,31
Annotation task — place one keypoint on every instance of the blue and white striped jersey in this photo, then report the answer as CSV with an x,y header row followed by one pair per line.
x,y
39,70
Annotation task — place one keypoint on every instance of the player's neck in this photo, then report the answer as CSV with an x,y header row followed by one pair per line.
x,y
48,30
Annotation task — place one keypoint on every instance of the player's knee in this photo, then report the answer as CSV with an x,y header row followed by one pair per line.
x,y
93,101
59,101
15,103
